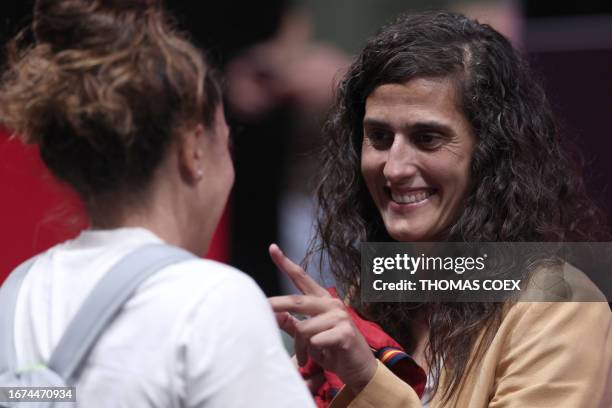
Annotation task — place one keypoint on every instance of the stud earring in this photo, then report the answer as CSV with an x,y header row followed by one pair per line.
x,y
199,174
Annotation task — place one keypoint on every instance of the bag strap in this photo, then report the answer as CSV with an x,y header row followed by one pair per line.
x,y
99,309
8,303
105,302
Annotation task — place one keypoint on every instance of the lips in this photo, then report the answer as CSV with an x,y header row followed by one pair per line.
x,y
412,196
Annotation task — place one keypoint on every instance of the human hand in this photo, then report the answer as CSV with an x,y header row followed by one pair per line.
x,y
329,335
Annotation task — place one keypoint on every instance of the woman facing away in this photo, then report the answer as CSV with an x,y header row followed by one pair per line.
x,y
127,112
440,133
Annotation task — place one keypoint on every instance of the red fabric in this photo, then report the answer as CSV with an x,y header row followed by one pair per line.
x,y
404,367
219,247
37,212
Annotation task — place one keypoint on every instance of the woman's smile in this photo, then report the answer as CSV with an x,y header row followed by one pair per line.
x,y
415,158
410,196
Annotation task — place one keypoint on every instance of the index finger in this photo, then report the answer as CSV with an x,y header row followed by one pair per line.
x,y
298,276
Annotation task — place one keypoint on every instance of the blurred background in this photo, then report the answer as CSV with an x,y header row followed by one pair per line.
x,y
281,59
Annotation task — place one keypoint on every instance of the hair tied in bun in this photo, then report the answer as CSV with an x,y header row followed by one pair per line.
x,y
131,4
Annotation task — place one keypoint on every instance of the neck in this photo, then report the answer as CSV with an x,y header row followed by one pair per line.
x,y
164,213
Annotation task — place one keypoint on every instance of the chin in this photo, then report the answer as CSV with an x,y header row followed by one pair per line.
x,y
406,236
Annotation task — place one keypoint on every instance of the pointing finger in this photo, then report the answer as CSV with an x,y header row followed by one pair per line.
x,y
297,274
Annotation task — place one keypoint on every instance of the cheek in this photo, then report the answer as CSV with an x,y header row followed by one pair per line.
x,y
454,179
219,163
371,164
365,169
447,168
232,173
225,166
368,172
462,175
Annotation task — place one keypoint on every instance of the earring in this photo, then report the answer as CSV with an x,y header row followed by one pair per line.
x,y
199,174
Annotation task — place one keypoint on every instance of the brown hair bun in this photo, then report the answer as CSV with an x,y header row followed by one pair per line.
x,y
103,90
74,23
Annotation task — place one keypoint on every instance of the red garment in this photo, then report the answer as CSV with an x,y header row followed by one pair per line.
x,y
387,350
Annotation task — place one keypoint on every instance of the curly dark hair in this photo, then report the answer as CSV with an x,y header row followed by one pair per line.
x,y
527,184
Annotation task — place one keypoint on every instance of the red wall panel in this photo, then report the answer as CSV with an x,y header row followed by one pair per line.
x,y
37,212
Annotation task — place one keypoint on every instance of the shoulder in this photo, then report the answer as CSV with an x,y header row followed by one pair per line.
x,y
543,354
202,278
543,348
561,282
202,293
230,342
566,323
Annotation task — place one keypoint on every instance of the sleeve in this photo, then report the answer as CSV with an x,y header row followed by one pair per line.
x,y
555,355
384,390
552,355
234,356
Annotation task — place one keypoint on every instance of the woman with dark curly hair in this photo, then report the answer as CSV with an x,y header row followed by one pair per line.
x,y
440,133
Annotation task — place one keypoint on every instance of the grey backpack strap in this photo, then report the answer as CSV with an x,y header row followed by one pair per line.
x,y
8,303
105,302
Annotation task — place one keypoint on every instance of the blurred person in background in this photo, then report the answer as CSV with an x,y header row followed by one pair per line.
x,y
128,113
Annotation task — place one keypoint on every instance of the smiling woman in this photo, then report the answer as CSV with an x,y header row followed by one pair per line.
x,y
415,157
440,133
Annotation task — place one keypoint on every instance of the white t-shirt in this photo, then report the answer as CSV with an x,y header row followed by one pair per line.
x,y
196,334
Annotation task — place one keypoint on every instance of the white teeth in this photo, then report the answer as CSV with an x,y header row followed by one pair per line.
x,y
410,198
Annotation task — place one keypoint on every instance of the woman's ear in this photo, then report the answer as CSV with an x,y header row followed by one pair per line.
x,y
191,154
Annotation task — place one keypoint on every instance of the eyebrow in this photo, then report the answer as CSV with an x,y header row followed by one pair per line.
x,y
418,126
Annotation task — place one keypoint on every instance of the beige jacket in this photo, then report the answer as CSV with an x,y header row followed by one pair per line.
x,y
556,355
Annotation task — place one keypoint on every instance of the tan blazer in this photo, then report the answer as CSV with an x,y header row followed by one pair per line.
x,y
556,355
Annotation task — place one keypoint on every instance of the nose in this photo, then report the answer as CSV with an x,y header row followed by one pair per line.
x,y
401,164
